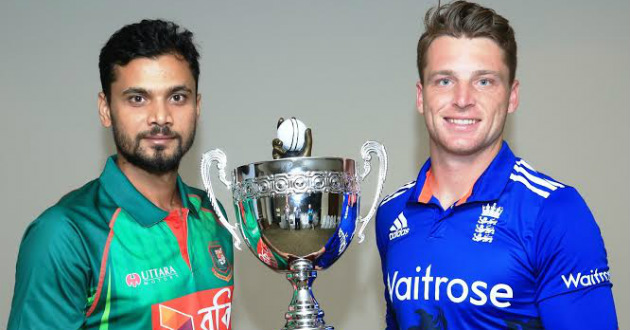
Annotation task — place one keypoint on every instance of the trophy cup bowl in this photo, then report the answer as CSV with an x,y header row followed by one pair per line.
x,y
297,215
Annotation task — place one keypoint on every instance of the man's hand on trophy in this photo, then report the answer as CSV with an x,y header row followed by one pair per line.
x,y
293,139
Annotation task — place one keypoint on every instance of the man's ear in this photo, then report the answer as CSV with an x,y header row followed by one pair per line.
x,y
513,102
104,111
419,100
198,105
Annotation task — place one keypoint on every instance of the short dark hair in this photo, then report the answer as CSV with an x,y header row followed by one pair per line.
x,y
470,20
148,38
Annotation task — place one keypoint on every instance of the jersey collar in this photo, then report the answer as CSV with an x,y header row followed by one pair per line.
x,y
488,187
133,202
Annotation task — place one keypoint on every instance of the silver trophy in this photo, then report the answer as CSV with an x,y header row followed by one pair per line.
x,y
297,215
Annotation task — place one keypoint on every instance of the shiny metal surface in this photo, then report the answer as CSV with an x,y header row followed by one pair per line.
x,y
304,312
295,176
297,215
297,208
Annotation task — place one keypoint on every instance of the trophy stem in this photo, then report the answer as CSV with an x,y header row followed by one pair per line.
x,y
304,312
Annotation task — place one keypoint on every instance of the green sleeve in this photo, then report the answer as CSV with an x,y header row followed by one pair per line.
x,y
52,276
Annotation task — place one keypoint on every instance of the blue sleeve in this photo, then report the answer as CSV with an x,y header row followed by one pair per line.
x,y
587,309
571,265
390,314
51,278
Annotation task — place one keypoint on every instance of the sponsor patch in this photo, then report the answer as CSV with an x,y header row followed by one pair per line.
x,y
429,287
582,280
133,279
151,276
205,310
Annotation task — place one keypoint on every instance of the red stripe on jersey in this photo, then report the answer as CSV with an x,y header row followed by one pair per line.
x,y
177,222
101,275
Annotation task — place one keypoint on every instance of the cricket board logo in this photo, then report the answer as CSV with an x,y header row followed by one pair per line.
x,y
205,310
151,276
484,229
221,266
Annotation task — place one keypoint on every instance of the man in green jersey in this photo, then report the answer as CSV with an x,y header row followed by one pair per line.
x,y
136,248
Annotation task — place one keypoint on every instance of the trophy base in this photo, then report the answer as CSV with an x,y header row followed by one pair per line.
x,y
304,312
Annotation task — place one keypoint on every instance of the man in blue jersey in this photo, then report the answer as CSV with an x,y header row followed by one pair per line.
x,y
481,240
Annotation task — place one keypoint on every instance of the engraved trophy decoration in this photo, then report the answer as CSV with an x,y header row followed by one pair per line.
x,y
297,213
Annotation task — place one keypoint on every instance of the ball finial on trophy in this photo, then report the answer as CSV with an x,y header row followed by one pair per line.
x,y
293,139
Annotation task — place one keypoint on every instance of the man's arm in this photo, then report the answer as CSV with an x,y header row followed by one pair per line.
x,y
51,279
592,308
574,288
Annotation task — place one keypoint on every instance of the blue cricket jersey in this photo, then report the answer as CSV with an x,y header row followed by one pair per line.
x,y
519,251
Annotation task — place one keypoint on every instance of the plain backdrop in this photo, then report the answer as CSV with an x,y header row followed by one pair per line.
x,y
347,69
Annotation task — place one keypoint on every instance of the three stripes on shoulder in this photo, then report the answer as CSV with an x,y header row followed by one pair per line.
x,y
398,192
527,175
522,173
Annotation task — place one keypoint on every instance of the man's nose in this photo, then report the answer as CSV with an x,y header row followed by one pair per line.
x,y
464,96
160,114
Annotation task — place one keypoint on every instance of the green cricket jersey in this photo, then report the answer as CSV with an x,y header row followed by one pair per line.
x,y
105,257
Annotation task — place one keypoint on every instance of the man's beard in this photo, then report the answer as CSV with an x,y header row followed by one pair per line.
x,y
159,163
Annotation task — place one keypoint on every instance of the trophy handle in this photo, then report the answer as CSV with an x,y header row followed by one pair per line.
x,y
218,156
367,149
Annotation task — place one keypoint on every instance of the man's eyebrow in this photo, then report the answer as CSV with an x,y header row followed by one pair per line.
x,y
486,72
441,73
474,74
180,88
135,90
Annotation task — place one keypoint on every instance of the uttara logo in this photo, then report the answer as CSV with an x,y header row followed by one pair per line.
x,y
151,276
133,279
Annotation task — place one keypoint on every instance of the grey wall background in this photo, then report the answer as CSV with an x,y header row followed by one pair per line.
x,y
347,68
